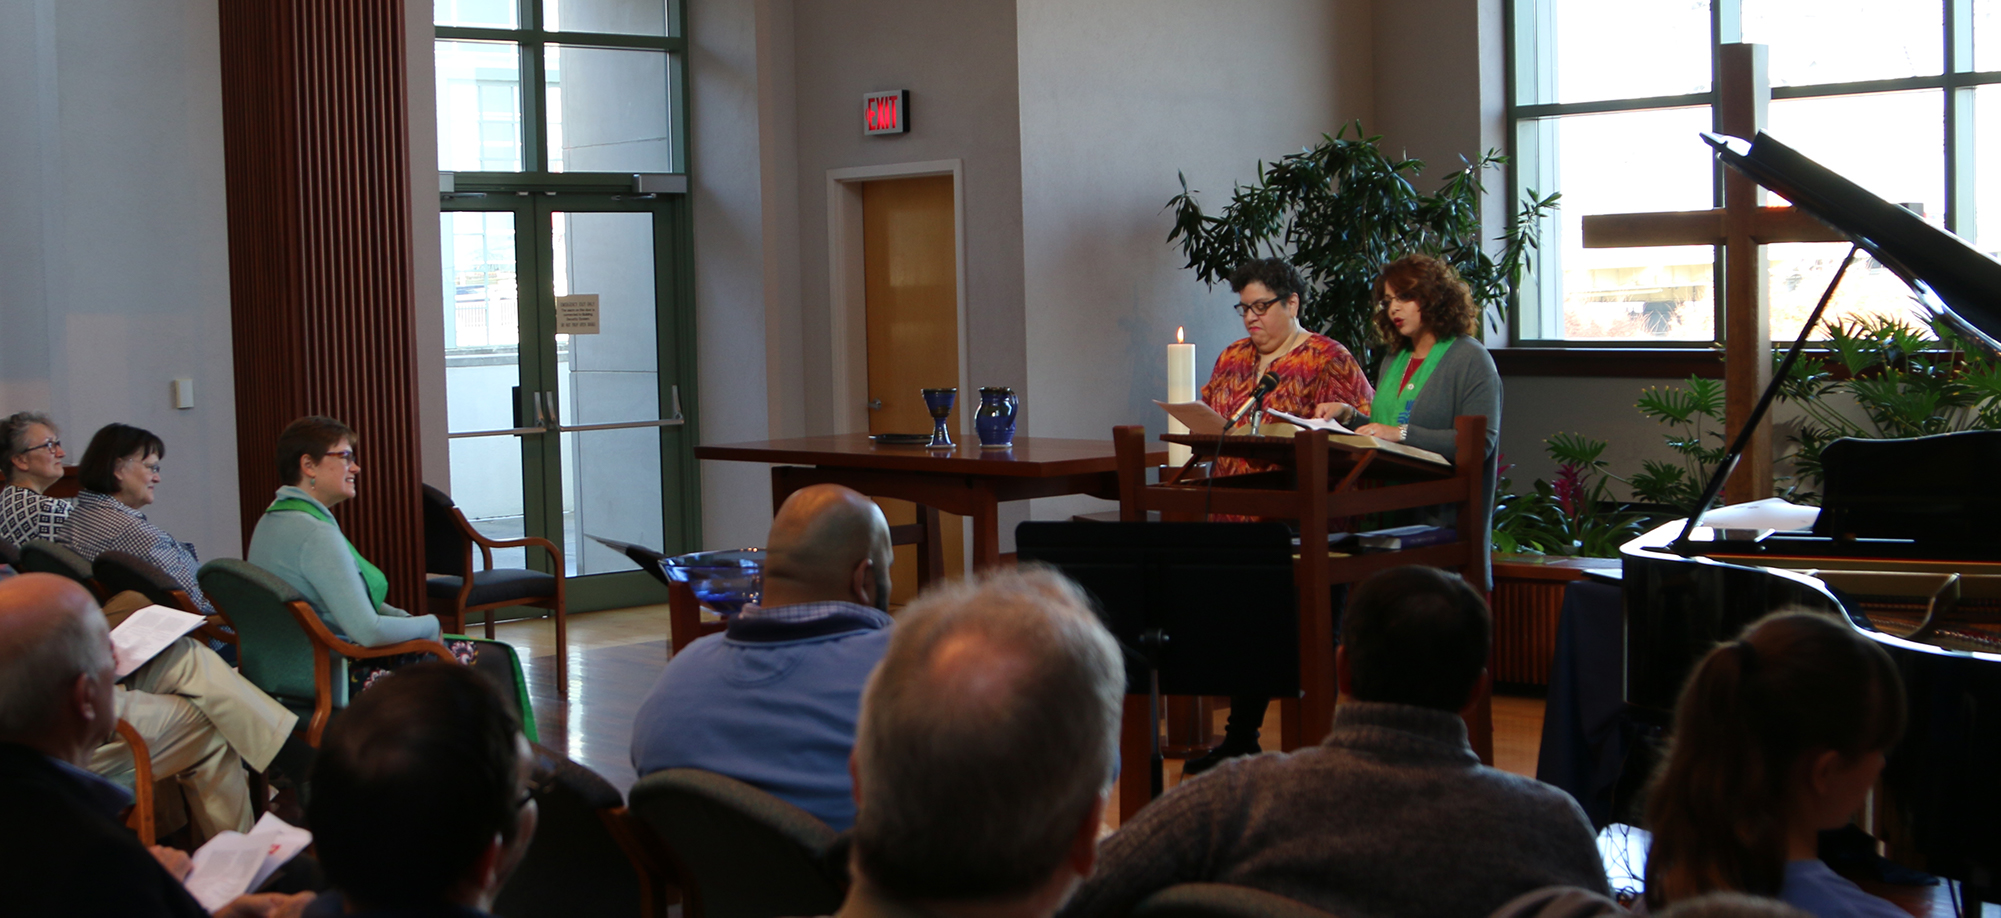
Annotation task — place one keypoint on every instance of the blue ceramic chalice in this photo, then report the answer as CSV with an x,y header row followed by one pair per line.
x,y
939,401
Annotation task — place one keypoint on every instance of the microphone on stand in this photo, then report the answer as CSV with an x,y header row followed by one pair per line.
x,y
1263,388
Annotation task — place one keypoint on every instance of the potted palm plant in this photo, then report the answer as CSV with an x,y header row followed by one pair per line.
x,y
1340,210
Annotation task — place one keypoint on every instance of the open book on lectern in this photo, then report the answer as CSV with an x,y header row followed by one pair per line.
x,y
1202,419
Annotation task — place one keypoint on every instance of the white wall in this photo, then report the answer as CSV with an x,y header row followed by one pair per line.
x,y
726,180
958,61
427,268
1117,97
114,242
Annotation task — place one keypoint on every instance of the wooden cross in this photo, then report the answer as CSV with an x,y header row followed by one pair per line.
x,y
1743,226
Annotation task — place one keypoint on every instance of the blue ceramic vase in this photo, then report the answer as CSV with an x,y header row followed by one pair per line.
x,y
995,419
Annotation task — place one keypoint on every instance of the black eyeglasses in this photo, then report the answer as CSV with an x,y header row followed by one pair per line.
x,y
1256,308
51,444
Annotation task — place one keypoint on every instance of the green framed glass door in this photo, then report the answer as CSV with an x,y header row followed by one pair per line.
x,y
569,376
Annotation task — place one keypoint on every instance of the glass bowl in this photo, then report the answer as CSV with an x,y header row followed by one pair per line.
x,y
723,580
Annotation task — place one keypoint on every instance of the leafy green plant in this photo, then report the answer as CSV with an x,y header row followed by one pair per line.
x,y
1342,209
1695,420
1575,515
1905,380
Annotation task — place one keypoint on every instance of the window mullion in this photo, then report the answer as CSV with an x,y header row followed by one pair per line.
x,y
1959,135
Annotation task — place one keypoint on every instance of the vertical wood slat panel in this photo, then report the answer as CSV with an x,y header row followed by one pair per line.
x,y
321,279
1526,614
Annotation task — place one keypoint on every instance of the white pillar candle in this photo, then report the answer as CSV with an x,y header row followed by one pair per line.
x,y
1180,388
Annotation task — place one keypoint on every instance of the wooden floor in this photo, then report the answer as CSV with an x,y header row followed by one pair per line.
x,y
616,656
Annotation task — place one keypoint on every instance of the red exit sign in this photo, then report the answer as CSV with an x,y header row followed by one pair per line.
x,y
886,112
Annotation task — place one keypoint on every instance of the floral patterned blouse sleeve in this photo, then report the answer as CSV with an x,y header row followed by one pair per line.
x,y
1342,378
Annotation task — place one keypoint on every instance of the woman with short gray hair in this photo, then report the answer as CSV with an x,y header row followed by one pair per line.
x,y
31,458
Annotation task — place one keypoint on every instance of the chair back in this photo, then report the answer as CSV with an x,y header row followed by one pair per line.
x,y
1221,900
10,554
275,654
581,862
743,853
501,662
41,556
444,544
119,571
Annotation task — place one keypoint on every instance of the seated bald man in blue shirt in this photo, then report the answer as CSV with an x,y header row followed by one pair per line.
x,y
773,700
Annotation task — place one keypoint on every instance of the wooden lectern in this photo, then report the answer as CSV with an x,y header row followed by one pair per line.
x,y
1319,478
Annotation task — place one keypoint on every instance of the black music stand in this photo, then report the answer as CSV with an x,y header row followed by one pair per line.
x,y
1199,608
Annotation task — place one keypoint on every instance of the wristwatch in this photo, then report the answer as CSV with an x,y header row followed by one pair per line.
x,y
1403,432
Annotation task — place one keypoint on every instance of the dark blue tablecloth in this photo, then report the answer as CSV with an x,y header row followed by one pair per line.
x,y
1585,730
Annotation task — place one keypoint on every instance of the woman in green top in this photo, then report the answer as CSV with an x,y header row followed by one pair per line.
x,y
298,540
1436,371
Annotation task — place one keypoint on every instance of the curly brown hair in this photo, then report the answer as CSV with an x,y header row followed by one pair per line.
x,y
1444,301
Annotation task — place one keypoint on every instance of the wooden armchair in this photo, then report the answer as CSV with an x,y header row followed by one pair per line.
x,y
456,588
40,556
140,819
283,646
118,572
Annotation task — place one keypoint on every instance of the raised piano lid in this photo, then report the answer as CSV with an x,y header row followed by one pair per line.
x,y
1952,279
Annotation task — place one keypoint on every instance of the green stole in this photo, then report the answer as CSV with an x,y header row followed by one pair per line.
x,y
371,576
1392,408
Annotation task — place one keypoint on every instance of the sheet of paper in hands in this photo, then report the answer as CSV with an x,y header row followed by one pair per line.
x,y
1200,418
145,633
1329,425
233,863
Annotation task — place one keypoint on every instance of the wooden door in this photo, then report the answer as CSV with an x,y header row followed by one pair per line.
x,y
911,272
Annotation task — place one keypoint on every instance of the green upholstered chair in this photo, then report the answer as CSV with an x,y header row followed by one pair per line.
x,y
10,554
41,556
590,856
1221,900
284,648
740,852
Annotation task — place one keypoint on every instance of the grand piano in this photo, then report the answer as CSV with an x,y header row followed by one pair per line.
x,y
1906,550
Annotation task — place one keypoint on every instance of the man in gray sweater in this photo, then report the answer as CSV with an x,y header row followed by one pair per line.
x,y
1392,814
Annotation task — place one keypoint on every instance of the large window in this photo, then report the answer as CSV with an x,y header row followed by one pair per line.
x,y
605,75
569,328
1607,100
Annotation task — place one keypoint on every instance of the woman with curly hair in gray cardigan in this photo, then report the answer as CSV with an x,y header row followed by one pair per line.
x,y
1436,371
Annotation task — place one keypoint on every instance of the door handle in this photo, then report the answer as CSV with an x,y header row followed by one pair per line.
x,y
875,404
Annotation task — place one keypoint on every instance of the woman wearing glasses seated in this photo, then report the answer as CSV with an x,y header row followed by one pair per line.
x,y
1314,373
298,540
1313,370
120,470
31,459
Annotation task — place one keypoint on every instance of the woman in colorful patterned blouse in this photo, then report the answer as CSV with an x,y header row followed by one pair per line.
x,y
1315,374
1313,370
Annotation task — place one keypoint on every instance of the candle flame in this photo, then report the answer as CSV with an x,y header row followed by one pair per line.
x,y
1177,334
